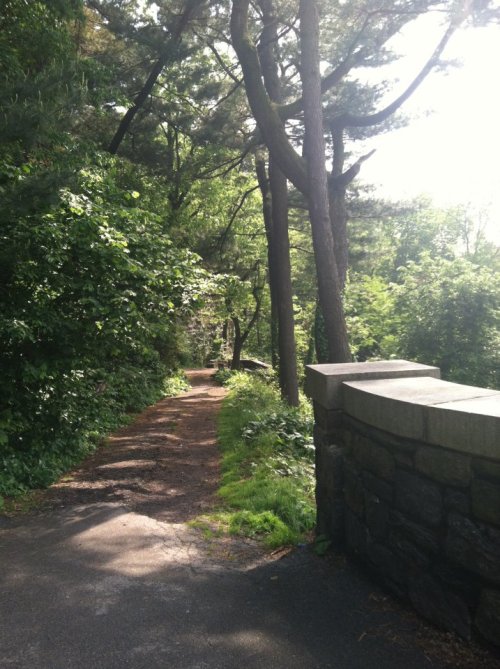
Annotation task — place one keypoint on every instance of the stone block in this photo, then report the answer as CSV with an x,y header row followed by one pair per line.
x,y
322,437
485,497
330,521
389,566
379,404
457,500
459,580
443,466
353,489
419,498
376,459
487,469
461,418
377,516
470,425
488,615
356,534
438,604
474,546
330,469
330,491
425,538
327,419
323,382
410,554
377,486
404,459
390,441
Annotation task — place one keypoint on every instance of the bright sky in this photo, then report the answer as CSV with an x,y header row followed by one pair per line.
x,y
452,154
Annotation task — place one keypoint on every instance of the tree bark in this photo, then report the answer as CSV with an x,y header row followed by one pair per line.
x,y
281,258
329,287
237,344
263,109
278,240
260,168
337,207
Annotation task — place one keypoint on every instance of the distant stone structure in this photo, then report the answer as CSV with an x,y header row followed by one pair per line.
x,y
408,481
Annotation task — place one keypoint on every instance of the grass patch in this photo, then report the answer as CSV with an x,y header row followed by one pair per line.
x,y
267,466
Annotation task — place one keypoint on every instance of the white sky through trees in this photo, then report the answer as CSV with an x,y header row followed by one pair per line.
x,y
450,150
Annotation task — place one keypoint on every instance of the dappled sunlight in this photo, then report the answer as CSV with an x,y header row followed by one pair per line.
x,y
133,545
127,463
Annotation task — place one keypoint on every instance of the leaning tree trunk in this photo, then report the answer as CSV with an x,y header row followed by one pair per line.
x,y
329,286
168,54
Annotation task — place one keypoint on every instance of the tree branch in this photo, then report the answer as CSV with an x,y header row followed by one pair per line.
x,y
352,121
143,94
234,214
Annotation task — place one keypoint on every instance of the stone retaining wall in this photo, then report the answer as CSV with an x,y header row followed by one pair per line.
x,y
408,480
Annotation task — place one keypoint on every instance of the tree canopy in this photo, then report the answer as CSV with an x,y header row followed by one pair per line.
x,y
178,186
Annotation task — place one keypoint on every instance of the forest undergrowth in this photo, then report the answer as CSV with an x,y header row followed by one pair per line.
x,y
267,486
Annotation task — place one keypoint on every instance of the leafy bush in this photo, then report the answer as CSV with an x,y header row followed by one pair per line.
x,y
223,376
268,471
175,384
90,287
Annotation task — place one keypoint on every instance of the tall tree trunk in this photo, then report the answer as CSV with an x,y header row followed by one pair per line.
x,y
329,286
281,257
278,240
337,206
260,169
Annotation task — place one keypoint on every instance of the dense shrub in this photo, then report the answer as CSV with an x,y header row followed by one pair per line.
x,y
89,287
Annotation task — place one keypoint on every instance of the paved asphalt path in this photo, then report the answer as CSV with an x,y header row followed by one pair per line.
x,y
101,586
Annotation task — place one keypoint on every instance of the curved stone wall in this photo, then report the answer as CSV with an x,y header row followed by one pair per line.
x,y
408,481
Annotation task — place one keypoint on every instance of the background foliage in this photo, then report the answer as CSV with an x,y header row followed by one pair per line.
x,y
115,270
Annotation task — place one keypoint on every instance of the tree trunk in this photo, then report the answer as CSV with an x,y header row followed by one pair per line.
x,y
238,344
281,258
337,207
278,240
329,287
260,168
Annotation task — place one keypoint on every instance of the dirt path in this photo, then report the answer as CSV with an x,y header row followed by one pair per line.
x,y
164,465
109,576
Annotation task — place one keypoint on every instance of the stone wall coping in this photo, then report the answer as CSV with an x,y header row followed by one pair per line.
x,y
427,409
323,382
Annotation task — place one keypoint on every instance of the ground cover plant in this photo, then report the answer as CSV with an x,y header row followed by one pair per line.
x,y
267,462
